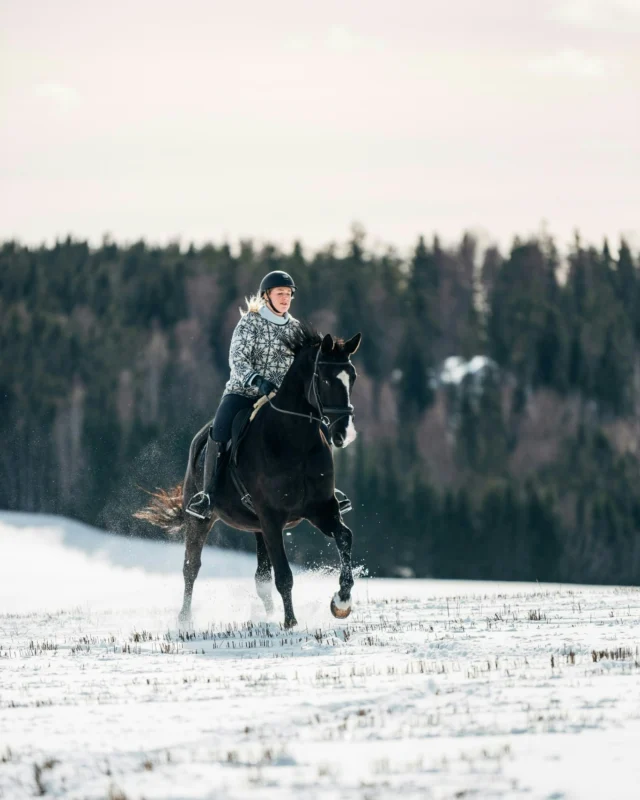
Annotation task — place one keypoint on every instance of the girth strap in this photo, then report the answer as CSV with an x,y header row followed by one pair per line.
x,y
245,497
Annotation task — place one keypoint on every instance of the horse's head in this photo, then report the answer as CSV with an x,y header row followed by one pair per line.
x,y
334,376
323,365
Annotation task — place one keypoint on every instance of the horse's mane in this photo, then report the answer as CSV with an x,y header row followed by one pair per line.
x,y
301,336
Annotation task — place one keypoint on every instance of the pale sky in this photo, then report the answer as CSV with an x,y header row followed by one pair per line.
x,y
284,119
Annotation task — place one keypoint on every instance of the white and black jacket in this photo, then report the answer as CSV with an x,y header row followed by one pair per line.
x,y
257,349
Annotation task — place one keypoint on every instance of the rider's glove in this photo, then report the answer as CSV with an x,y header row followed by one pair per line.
x,y
263,385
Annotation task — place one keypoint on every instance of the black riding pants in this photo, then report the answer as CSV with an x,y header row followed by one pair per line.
x,y
227,410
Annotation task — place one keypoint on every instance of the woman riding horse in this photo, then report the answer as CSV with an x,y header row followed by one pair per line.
x,y
259,360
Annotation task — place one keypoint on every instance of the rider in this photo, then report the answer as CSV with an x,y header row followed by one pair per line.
x,y
259,360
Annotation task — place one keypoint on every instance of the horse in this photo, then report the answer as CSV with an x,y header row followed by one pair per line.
x,y
285,462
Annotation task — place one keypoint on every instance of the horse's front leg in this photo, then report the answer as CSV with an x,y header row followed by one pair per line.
x,y
263,574
330,522
195,536
272,525
341,601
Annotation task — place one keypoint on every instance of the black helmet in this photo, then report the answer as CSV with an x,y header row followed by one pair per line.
x,y
274,279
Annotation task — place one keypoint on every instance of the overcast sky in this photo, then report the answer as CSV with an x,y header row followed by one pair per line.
x,y
284,119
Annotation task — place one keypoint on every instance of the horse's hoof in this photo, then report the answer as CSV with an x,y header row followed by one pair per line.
x,y
184,621
290,623
339,608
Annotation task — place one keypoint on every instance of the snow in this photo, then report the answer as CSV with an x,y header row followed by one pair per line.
x,y
432,689
455,368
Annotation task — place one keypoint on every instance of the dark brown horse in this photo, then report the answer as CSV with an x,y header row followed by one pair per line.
x,y
286,464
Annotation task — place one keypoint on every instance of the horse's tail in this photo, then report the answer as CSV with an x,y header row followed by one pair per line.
x,y
165,510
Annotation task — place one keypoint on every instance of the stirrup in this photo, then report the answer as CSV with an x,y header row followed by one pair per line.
x,y
344,503
205,513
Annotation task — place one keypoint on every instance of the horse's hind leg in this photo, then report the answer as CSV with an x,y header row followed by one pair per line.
x,y
195,536
263,574
272,534
331,524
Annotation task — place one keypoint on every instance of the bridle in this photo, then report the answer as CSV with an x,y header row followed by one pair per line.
x,y
323,419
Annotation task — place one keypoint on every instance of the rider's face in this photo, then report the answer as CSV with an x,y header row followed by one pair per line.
x,y
281,299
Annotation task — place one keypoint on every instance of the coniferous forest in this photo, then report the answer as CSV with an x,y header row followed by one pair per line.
x,y
497,401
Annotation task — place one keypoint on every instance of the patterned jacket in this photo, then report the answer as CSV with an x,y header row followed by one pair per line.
x,y
257,349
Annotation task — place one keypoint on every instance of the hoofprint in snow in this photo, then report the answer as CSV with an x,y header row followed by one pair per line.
x,y
432,689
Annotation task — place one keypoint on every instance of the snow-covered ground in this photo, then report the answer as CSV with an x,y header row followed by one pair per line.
x,y
430,689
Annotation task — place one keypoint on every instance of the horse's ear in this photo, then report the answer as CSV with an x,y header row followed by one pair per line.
x,y
353,344
327,344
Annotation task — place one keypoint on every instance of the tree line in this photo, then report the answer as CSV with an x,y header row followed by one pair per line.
x,y
522,467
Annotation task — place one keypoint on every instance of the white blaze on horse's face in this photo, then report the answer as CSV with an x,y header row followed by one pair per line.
x,y
344,377
350,433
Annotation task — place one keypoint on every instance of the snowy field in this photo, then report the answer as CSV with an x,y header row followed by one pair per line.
x,y
430,689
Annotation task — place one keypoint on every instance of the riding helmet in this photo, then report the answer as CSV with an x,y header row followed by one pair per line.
x,y
275,279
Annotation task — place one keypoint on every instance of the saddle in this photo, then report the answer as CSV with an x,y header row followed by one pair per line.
x,y
240,425
239,429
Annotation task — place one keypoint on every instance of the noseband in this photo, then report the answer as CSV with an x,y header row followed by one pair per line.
x,y
323,419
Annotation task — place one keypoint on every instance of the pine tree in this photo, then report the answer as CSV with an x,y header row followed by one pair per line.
x,y
523,318
612,381
415,386
543,533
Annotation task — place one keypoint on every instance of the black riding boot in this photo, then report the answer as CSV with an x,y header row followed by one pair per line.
x,y
201,504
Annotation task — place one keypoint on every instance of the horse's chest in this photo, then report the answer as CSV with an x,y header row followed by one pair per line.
x,y
300,484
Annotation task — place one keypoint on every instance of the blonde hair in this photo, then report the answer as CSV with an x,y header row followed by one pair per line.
x,y
254,304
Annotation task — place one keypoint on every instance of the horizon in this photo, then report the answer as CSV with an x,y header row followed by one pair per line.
x,y
372,246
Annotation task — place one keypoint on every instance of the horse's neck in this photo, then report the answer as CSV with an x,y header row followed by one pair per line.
x,y
291,394
291,397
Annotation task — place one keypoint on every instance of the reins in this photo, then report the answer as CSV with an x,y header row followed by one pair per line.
x,y
308,416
